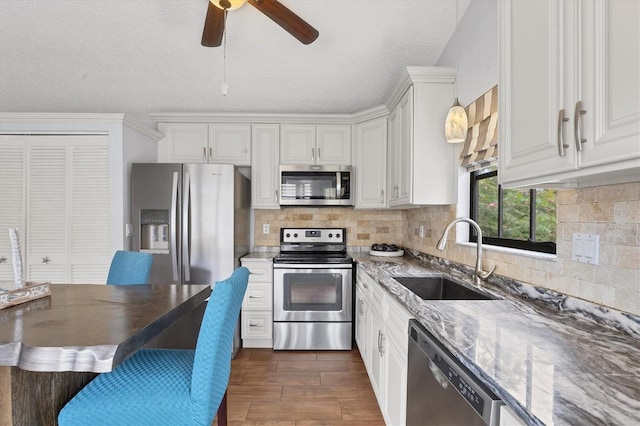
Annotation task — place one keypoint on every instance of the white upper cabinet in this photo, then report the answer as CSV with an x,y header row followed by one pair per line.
x,y
371,163
569,104
264,166
422,169
333,144
230,143
224,143
315,144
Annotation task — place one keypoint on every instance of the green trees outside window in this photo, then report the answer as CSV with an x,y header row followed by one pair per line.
x,y
517,218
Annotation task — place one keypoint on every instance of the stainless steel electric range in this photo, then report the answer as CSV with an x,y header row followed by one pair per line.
x,y
313,290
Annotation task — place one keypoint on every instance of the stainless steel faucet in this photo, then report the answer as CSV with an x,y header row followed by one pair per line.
x,y
480,275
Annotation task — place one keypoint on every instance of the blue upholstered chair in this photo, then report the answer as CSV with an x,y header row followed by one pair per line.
x,y
169,386
130,267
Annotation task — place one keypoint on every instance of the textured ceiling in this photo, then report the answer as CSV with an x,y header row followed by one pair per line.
x,y
143,56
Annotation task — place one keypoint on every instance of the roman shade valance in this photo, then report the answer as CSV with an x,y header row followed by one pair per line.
x,y
481,146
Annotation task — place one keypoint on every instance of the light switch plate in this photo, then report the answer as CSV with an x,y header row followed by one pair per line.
x,y
585,248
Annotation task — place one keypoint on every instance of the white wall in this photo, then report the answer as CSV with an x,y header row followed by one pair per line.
x,y
473,50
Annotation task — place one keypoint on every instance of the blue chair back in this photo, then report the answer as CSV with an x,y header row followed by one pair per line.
x,y
212,362
130,267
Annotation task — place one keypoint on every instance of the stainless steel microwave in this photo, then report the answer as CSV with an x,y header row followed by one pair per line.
x,y
315,185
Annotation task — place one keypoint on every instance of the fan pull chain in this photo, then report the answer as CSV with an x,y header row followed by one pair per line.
x,y
225,87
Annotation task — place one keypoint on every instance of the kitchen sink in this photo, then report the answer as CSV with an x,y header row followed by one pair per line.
x,y
440,288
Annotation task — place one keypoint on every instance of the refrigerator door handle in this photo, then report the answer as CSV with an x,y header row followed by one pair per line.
x,y
186,204
174,223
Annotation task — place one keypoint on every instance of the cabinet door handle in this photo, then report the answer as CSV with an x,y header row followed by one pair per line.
x,y
255,325
210,154
204,153
318,155
312,154
276,191
382,196
561,145
381,343
251,296
577,124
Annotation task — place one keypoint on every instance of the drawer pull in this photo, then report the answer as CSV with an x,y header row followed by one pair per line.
x,y
255,325
255,297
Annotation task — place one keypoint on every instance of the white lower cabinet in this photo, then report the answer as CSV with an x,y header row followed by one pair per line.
x,y
382,340
256,328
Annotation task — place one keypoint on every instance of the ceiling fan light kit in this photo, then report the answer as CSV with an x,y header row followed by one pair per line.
x,y
215,21
228,4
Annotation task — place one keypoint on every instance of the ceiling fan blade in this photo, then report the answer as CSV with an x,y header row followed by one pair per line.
x,y
288,20
213,27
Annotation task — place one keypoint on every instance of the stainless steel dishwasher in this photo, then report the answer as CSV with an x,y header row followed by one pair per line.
x,y
440,390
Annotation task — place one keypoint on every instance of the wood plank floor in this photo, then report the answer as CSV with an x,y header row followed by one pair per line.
x,y
300,388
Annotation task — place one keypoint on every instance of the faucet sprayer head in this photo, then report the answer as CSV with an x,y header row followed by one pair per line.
x,y
442,243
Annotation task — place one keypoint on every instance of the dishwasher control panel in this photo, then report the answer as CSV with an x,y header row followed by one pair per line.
x,y
460,384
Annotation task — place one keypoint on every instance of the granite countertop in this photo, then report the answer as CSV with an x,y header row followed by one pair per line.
x,y
552,358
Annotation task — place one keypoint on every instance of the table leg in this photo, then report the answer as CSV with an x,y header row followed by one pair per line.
x,y
36,398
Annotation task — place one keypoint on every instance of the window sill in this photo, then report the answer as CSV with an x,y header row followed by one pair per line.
x,y
515,252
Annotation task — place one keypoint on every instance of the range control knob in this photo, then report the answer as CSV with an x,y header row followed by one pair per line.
x,y
288,235
295,235
330,235
337,235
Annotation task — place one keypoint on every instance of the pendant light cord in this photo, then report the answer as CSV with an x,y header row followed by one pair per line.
x,y
224,87
224,49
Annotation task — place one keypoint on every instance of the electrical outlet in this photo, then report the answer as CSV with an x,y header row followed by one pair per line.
x,y
265,228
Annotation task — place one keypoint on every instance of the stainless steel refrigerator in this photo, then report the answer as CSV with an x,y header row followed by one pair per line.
x,y
193,218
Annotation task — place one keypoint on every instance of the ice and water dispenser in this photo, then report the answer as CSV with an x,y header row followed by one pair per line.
x,y
154,231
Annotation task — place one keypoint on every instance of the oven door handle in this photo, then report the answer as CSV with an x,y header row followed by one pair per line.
x,y
306,266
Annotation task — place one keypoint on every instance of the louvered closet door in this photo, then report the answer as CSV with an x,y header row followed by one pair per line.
x,y
90,252
47,205
12,198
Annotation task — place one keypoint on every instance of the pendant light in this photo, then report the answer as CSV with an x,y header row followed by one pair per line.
x,y
456,124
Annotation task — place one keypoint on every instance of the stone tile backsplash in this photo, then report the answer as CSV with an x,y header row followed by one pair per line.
x,y
612,212
364,227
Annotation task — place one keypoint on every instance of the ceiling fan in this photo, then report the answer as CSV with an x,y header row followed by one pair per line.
x,y
289,21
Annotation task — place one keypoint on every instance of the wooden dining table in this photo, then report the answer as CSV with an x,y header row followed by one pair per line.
x,y
51,347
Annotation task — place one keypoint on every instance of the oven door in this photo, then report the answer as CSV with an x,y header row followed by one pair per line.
x,y
314,292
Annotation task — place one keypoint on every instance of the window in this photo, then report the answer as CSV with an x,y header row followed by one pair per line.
x,y
518,218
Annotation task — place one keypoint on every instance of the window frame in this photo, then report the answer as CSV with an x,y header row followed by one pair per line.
x,y
529,245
